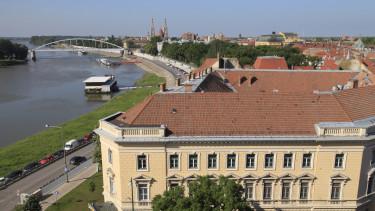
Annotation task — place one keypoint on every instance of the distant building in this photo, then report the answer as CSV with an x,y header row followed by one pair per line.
x,y
269,40
270,62
358,45
290,38
246,42
189,36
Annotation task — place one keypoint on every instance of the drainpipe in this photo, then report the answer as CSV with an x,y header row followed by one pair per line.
x,y
166,165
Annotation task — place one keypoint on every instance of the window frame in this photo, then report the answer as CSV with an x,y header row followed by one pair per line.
x,y
273,161
217,161
340,183
343,161
235,161
188,161
292,161
147,162
311,160
255,161
109,156
307,192
246,185
147,191
290,190
264,188
178,163
112,187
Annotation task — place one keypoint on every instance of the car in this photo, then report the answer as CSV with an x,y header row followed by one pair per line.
x,y
76,160
2,181
89,136
46,160
31,166
13,175
58,154
70,145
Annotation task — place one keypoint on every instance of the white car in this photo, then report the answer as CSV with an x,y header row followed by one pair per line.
x,y
2,181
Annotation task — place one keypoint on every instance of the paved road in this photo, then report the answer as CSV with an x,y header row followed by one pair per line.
x,y
8,196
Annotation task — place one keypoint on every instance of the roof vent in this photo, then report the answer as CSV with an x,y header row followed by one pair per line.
x,y
174,110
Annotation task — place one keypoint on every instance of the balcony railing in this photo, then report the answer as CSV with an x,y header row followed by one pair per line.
x,y
302,203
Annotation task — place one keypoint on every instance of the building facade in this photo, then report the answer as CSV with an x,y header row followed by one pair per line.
x,y
289,151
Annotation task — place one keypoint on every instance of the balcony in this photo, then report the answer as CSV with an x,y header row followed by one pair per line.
x,y
304,203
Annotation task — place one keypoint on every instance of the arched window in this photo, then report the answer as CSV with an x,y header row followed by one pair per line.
x,y
253,80
243,80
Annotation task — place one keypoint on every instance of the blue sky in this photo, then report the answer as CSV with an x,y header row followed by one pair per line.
x,y
231,17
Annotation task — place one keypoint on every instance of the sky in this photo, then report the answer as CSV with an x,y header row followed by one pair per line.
x,y
21,18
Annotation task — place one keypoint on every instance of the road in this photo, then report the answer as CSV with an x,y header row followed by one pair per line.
x,y
8,196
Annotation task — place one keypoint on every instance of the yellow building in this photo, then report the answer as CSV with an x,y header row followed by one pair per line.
x,y
290,151
290,38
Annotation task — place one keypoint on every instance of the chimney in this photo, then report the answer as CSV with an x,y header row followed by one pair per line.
x,y
178,82
188,87
162,87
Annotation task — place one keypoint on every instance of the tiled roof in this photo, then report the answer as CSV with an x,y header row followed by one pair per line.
x,y
270,62
286,81
209,62
369,64
329,64
215,114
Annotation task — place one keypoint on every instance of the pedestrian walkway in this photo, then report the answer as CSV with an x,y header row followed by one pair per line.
x,y
149,66
65,188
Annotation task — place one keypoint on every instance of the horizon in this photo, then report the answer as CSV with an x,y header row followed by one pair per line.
x,y
309,19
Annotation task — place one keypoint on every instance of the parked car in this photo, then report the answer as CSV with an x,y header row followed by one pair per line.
x,y
31,166
71,144
58,154
2,181
76,160
13,175
88,137
46,159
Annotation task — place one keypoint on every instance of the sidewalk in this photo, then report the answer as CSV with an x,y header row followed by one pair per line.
x,y
67,187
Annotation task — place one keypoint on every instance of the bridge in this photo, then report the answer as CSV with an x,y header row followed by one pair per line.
x,y
79,44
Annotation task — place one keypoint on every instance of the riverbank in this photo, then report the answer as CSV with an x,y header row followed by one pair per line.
x,y
17,155
5,63
157,70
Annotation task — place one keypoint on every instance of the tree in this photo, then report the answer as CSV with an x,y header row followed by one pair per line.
x,y
32,204
151,46
205,194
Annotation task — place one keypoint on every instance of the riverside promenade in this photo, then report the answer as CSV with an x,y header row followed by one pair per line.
x,y
151,67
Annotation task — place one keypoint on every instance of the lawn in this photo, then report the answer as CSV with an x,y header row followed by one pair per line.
x,y
35,147
79,197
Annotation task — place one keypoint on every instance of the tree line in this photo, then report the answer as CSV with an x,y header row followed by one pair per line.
x,y
12,51
195,53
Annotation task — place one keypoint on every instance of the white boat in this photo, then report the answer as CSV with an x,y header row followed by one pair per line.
x,y
107,62
101,84
81,53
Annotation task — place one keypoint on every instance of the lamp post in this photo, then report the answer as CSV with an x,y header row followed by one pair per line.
x,y
62,138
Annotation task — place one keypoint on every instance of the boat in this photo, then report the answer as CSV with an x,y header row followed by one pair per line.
x,y
81,53
107,62
100,84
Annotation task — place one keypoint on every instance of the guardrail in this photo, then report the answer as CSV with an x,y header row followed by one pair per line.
x,y
44,165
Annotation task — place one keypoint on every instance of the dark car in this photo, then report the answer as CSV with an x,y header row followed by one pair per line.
x,y
31,166
58,154
89,137
76,160
13,175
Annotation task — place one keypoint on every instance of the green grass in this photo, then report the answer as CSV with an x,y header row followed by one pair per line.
x,y
79,197
35,147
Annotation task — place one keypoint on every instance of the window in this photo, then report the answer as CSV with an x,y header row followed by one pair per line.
x,y
306,160
339,160
231,161
304,191
250,161
109,156
267,191
173,161
173,185
212,161
336,191
193,161
249,191
268,162
111,185
142,192
142,162
288,160
285,192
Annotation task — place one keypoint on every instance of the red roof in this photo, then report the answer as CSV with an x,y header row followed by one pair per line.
x,y
369,64
329,64
270,62
215,114
291,81
303,68
208,62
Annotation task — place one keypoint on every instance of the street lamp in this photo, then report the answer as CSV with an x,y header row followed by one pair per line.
x,y
62,138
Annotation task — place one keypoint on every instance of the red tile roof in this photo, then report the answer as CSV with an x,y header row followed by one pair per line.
x,y
329,64
369,64
270,62
208,62
286,81
214,114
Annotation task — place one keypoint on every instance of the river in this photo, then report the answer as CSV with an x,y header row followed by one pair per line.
x,y
51,91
